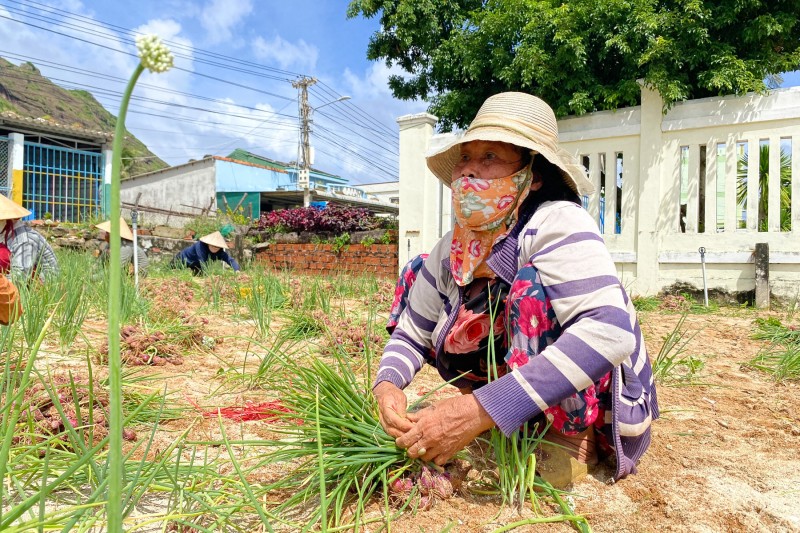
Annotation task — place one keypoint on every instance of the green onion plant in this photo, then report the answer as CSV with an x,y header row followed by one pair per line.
x,y
75,304
672,365
515,457
156,57
781,358
333,444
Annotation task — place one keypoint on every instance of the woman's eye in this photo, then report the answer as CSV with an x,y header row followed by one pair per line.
x,y
489,158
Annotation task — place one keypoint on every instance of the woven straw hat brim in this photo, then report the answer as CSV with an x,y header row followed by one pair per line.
x,y
124,231
519,119
214,239
10,210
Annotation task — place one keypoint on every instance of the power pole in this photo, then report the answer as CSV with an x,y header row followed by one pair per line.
x,y
304,164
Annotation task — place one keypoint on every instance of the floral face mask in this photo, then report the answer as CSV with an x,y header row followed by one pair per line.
x,y
484,210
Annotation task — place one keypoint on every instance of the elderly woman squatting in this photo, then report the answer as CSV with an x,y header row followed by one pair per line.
x,y
522,245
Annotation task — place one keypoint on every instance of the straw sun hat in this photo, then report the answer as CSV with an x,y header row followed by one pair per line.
x,y
520,119
10,210
215,239
124,231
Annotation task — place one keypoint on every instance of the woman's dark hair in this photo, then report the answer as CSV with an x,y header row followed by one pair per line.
x,y
553,185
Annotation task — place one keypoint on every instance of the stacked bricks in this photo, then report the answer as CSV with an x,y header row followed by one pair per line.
x,y
324,259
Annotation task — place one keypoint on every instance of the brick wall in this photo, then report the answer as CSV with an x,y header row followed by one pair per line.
x,y
378,259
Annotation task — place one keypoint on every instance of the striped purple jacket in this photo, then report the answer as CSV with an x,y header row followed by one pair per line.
x,y
600,330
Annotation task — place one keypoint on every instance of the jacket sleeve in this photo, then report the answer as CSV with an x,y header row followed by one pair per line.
x,y
581,282
191,254
412,340
228,258
48,261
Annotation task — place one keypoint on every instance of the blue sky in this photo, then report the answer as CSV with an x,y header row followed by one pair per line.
x,y
241,105
240,97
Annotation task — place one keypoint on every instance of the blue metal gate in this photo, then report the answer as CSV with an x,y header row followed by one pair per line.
x,y
5,162
62,183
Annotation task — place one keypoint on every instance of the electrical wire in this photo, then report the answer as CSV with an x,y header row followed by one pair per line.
x,y
351,112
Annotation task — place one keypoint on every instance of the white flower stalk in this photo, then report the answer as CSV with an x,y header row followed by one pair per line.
x,y
153,54
156,57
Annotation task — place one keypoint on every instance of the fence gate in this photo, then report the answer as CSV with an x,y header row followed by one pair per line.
x,y
61,182
5,187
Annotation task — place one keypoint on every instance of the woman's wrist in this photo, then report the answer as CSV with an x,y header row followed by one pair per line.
x,y
483,420
382,386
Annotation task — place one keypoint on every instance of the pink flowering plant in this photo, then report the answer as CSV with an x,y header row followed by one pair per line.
x,y
333,219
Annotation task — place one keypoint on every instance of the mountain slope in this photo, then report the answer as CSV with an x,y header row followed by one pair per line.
x,y
24,91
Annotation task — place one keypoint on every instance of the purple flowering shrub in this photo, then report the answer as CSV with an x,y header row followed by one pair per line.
x,y
333,218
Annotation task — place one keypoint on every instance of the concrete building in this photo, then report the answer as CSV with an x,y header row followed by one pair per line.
x,y
257,184
387,191
54,171
175,195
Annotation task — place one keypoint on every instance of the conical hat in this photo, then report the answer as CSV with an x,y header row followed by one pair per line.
x,y
124,231
10,210
215,239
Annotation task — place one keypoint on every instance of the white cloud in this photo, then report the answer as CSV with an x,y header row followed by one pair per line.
x,y
219,17
289,56
37,46
167,29
373,86
374,144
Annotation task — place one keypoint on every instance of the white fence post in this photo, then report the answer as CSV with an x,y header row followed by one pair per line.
x,y
419,189
651,204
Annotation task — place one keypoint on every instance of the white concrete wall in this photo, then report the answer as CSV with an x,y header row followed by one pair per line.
x,y
650,250
383,192
425,203
183,189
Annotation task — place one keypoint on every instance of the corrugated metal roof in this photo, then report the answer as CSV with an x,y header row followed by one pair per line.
x,y
297,196
243,155
40,125
207,159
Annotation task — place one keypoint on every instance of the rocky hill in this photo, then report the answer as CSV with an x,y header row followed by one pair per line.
x,y
24,91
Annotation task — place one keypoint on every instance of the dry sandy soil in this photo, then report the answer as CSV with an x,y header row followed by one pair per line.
x,y
725,454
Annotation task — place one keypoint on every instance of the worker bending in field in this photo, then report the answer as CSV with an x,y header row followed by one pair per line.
x,y
30,252
126,249
209,247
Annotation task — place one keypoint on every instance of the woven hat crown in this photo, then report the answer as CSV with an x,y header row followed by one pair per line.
x,y
124,231
523,113
214,239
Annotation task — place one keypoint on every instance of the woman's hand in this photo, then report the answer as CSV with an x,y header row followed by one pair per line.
x,y
444,428
392,406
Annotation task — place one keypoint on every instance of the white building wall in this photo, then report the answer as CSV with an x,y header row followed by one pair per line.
x,y
387,192
662,168
183,190
425,203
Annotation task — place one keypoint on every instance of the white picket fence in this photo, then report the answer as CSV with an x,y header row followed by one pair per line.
x,y
667,183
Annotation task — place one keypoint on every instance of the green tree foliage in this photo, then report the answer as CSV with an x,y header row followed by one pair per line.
x,y
785,179
579,55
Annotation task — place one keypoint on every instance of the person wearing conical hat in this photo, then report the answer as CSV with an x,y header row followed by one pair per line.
x,y
30,252
126,246
207,248
526,277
